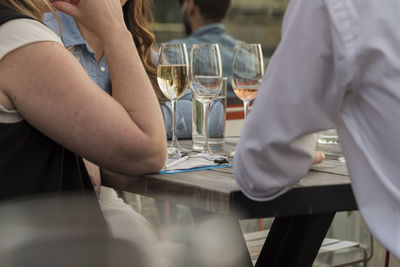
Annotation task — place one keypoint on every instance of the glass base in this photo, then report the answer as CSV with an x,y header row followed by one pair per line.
x,y
214,143
177,152
183,150
173,153
210,156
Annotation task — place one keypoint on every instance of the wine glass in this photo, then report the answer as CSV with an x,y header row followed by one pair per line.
x,y
206,81
172,77
247,72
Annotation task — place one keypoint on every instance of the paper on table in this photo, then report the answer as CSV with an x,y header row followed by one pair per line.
x,y
190,164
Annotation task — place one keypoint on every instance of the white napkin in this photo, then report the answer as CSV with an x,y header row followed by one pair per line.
x,y
191,162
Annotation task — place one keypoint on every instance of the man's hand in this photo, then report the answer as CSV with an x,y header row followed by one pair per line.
x,y
318,157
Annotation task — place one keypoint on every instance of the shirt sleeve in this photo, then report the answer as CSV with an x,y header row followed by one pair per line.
x,y
299,95
20,32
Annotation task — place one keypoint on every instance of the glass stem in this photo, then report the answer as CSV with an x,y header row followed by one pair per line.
x,y
174,142
206,148
246,108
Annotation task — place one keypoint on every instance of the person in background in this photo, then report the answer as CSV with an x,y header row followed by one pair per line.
x,y
51,111
338,64
203,24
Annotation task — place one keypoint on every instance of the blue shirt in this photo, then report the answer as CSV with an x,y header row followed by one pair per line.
x,y
99,73
214,34
73,40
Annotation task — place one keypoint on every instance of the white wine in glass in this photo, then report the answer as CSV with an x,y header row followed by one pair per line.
x,y
172,77
247,72
172,80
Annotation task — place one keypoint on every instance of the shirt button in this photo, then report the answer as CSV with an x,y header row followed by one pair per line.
x,y
102,69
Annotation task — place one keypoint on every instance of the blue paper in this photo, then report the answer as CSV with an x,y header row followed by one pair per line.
x,y
196,169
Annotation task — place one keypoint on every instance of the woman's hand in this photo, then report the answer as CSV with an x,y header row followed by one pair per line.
x,y
102,17
94,174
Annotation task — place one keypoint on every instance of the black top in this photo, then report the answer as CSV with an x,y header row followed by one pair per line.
x,y
32,163
7,14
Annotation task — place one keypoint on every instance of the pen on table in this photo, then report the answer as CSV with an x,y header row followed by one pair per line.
x,y
167,166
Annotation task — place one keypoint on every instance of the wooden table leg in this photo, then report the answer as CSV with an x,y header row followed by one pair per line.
x,y
294,241
230,234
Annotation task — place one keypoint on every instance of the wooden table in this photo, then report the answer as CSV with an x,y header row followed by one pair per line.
x,y
302,215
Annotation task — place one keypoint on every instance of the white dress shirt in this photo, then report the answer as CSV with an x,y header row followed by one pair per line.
x,y
338,64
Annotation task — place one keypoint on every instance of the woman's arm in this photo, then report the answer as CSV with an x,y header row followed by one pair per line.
x,y
53,93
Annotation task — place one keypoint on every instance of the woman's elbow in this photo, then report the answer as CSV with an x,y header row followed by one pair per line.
x,y
155,157
156,161
143,157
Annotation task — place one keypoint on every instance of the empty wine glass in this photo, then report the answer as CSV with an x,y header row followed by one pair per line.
x,y
172,77
247,72
206,81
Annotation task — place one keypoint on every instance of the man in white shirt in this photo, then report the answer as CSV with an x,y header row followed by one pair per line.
x,y
338,64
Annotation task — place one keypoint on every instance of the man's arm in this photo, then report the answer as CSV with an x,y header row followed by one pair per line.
x,y
299,95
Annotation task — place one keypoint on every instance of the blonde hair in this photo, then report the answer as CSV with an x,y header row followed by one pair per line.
x,y
30,8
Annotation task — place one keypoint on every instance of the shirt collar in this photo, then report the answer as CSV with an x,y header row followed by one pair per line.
x,y
215,28
70,34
